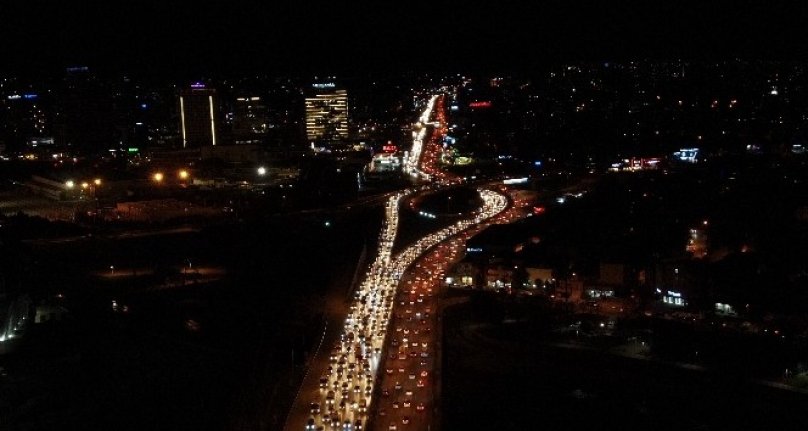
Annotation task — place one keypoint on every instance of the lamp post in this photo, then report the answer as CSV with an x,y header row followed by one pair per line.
x,y
94,189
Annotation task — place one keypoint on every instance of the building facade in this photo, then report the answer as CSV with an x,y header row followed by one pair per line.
x,y
199,123
326,113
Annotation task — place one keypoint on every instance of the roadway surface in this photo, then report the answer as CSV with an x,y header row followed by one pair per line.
x,y
410,385
344,388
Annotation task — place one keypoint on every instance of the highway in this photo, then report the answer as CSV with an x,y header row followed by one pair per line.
x,y
342,382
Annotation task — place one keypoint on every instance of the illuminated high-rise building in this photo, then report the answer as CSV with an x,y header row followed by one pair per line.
x,y
326,113
199,123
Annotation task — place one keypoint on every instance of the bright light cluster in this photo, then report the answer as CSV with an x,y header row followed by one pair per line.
x,y
347,387
411,160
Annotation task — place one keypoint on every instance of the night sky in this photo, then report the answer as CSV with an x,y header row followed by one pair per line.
x,y
344,36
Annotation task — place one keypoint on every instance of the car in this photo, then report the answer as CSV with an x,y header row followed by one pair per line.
x,y
407,403
408,393
405,420
420,407
386,393
398,386
310,424
421,383
392,427
382,412
412,376
323,383
424,373
395,404
315,408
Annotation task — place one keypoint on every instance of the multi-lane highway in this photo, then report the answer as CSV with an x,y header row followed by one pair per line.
x,y
385,335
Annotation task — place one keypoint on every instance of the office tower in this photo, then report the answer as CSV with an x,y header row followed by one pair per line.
x,y
326,113
199,125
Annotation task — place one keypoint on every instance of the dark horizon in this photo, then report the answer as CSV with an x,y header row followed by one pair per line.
x,y
256,37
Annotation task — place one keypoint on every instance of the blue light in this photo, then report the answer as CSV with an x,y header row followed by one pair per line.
x,y
143,106
537,163
30,96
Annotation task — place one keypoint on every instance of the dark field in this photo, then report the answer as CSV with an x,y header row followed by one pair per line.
x,y
179,355
510,383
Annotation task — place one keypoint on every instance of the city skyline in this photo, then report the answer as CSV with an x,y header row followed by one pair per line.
x,y
258,215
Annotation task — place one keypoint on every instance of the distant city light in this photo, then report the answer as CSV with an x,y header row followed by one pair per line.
x,y
262,171
515,180
321,85
70,184
198,85
483,104
97,182
689,155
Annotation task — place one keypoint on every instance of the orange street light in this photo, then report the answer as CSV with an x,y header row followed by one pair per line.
x,y
85,184
158,177
97,182
183,174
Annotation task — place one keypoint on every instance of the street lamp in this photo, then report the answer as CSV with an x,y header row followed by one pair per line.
x,y
97,182
85,184
158,177
262,171
183,174
70,184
